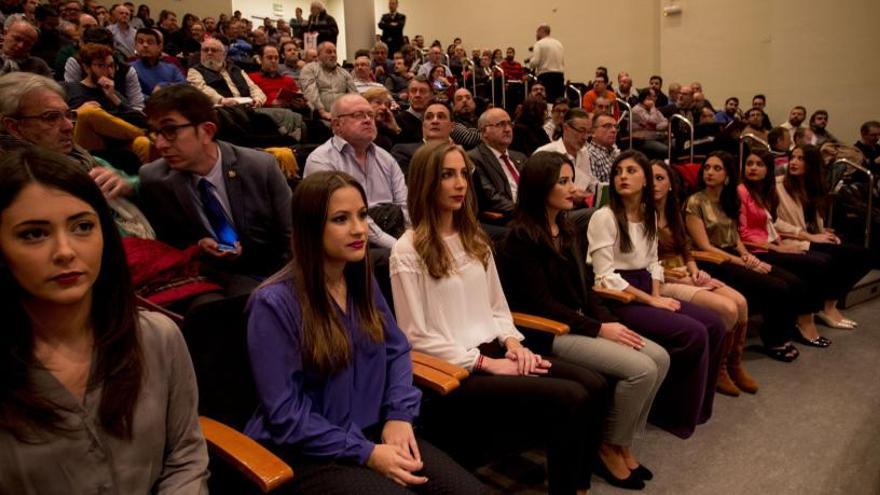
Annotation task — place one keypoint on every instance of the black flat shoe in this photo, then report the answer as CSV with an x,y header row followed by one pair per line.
x,y
633,482
643,473
821,342
786,354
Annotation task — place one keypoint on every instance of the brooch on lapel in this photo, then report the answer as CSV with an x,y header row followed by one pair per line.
x,y
231,174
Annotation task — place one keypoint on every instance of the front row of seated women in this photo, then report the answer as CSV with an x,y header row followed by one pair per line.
x,y
93,390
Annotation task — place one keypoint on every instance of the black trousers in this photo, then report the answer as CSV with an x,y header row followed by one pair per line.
x,y
849,263
554,82
811,274
334,477
774,295
563,412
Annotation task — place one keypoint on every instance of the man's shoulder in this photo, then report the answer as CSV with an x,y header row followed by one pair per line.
x,y
247,157
154,172
553,146
516,156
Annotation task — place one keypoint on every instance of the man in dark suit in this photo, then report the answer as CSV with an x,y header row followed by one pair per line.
x,y
233,202
436,126
496,172
392,25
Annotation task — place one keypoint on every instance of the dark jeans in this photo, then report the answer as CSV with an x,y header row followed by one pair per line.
x,y
554,82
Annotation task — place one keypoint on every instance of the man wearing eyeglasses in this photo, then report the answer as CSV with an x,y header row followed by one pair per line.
x,y
33,112
233,202
17,44
575,131
351,150
602,149
496,168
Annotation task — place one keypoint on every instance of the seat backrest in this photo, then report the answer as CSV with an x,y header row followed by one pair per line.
x,y
216,333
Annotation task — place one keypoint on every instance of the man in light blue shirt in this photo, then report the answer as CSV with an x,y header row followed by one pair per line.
x,y
123,33
351,150
435,58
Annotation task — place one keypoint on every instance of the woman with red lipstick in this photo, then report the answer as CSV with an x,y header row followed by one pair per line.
x,y
543,273
332,370
623,251
94,392
799,220
696,286
711,217
450,303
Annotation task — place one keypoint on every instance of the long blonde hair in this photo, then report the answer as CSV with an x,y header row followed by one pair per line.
x,y
425,170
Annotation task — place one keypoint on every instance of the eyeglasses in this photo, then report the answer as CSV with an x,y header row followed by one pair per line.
x,y
211,49
53,117
169,132
359,115
500,124
581,130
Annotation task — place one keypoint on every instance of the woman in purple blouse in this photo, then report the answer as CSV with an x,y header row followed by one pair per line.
x,y
333,371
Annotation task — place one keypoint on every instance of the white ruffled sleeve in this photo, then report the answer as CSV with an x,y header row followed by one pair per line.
x,y
602,239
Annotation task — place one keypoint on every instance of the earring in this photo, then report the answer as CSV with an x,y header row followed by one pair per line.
x,y
726,181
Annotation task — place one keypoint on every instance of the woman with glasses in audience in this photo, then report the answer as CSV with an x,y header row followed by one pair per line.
x,y
543,273
649,126
332,370
95,392
449,301
622,247
685,281
802,202
711,216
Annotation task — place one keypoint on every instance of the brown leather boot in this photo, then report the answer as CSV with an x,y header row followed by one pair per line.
x,y
725,385
738,373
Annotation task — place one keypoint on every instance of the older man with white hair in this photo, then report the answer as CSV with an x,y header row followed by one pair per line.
x,y
323,81
17,44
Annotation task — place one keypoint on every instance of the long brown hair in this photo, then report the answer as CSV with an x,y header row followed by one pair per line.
x,y
807,188
326,347
424,182
672,209
616,200
118,365
764,191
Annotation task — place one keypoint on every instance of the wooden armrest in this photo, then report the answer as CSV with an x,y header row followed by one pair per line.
x,y
616,295
247,456
710,257
434,379
147,304
491,215
438,364
675,274
533,322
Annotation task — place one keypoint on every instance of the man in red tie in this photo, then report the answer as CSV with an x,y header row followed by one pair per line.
x,y
497,169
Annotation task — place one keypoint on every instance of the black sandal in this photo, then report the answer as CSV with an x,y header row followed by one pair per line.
x,y
786,354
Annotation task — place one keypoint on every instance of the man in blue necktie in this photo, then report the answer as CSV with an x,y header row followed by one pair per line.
x,y
233,202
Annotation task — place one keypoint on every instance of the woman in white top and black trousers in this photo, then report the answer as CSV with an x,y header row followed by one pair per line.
x,y
450,304
623,251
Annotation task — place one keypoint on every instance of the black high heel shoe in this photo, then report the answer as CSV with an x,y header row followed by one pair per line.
x,y
632,482
643,473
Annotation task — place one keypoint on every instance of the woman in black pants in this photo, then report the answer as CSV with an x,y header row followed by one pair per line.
x,y
711,219
802,199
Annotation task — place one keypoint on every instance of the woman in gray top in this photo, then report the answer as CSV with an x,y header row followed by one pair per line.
x,y
95,396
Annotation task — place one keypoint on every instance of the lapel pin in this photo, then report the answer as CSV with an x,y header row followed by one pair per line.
x,y
231,174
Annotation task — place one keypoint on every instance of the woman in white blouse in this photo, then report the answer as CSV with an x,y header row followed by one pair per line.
x,y
450,304
623,251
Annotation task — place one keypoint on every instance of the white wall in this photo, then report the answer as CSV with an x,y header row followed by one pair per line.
x,y
265,8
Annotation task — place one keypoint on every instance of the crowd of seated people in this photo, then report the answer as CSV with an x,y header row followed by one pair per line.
x,y
115,126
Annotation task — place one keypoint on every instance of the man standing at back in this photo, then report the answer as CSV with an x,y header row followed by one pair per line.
x,y
233,202
392,25
547,62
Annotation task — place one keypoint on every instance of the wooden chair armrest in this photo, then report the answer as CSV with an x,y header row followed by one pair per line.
x,y
438,364
673,274
247,456
540,324
434,379
147,304
491,215
615,295
710,257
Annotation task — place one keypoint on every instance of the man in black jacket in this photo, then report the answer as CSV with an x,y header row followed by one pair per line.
x,y
496,173
392,25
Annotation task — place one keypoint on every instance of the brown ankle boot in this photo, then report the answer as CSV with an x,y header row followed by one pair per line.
x,y
738,373
725,385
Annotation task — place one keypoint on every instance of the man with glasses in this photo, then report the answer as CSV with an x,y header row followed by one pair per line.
x,y
575,131
33,112
17,44
437,125
601,148
496,168
351,150
233,202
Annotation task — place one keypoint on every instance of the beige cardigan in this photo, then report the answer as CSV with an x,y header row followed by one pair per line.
x,y
790,216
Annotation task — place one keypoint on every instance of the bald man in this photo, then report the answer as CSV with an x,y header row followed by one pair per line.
x,y
496,172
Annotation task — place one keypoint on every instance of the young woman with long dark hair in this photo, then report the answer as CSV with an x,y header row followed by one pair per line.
x,y
93,392
623,251
698,287
449,301
799,219
544,273
333,371
711,216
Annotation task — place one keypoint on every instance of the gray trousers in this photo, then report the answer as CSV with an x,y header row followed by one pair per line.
x,y
639,375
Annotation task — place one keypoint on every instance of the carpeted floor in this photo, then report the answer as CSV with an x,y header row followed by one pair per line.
x,y
813,428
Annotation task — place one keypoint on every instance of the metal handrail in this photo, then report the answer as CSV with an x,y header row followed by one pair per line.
x,y
580,95
468,62
629,110
755,138
680,117
503,85
867,171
